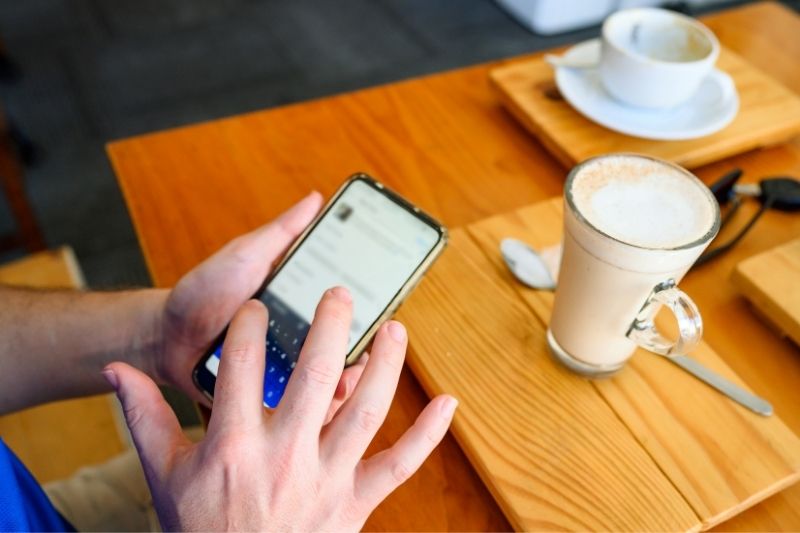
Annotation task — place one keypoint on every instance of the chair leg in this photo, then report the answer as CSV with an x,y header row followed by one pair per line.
x,y
9,69
11,179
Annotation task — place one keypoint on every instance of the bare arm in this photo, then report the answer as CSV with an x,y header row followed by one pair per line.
x,y
54,344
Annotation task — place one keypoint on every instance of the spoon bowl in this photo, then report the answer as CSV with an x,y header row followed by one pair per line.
x,y
527,265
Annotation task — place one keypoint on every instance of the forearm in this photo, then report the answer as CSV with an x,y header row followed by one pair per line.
x,y
53,345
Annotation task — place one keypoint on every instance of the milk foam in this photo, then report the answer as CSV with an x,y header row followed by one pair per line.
x,y
643,202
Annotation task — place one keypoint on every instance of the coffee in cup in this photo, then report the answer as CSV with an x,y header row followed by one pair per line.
x,y
633,226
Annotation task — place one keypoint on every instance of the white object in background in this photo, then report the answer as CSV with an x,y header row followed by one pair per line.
x,y
625,4
549,17
710,109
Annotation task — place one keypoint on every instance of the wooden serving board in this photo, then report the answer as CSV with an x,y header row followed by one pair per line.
x,y
771,281
650,449
768,114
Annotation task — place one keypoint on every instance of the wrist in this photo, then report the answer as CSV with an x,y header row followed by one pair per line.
x,y
148,340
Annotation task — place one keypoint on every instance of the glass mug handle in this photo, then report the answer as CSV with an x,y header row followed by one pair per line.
x,y
643,330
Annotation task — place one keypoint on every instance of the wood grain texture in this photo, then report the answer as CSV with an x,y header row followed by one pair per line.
x,y
768,114
550,449
771,281
721,457
447,143
56,439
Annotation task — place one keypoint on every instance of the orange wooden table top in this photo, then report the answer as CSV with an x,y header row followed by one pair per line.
x,y
445,142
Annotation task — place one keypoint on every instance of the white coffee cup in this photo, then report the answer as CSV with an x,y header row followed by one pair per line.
x,y
633,226
656,59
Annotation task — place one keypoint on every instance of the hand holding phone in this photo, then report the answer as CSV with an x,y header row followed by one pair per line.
x,y
203,302
368,239
254,471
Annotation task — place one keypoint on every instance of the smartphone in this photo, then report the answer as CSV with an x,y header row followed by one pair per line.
x,y
368,239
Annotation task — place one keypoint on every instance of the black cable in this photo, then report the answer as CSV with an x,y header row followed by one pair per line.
x,y
708,255
736,203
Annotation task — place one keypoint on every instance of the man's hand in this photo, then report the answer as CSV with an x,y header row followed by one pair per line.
x,y
58,341
204,300
288,470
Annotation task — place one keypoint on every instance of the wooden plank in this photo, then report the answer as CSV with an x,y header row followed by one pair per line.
x,y
768,114
552,452
771,281
56,439
779,512
721,457
49,269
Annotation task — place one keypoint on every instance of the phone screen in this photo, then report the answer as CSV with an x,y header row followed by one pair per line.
x,y
365,241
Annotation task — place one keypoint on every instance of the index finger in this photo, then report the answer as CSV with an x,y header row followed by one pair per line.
x,y
239,389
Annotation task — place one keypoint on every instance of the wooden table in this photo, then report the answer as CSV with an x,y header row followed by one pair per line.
x,y
445,142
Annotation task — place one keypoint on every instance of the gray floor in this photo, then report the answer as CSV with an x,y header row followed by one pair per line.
x,y
96,70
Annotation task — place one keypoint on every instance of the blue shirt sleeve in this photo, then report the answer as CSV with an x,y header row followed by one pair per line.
x,y
23,504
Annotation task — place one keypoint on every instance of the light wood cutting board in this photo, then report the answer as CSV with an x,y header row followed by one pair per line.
x,y
771,281
649,449
769,113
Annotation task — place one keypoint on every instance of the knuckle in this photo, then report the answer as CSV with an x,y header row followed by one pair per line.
x,y
283,228
292,421
240,249
316,373
238,353
227,447
432,438
401,471
134,414
294,462
229,450
367,417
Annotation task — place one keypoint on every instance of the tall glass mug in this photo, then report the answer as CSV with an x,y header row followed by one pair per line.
x,y
633,226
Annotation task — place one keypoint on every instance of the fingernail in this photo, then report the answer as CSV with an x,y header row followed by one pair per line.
x,y
111,377
257,303
396,331
449,407
341,294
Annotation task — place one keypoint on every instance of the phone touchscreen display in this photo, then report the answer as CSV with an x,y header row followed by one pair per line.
x,y
365,242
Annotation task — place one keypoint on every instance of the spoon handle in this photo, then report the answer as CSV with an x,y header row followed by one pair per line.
x,y
559,61
732,391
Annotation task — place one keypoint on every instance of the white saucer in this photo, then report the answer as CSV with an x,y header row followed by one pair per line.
x,y
712,107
